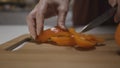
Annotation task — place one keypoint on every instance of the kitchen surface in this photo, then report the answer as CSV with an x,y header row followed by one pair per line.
x,y
32,55
8,32
13,28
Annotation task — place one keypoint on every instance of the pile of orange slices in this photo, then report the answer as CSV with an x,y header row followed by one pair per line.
x,y
68,38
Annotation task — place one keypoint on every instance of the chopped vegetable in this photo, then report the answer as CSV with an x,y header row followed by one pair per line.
x,y
68,38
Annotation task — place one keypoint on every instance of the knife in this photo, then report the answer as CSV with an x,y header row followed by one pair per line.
x,y
99,20
16,43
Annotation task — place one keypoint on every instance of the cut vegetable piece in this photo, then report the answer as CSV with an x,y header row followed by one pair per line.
x,y
92,38
52,32
117,34
73,32
68,38
63,41
82,42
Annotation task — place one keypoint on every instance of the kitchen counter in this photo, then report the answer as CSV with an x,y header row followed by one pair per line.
x,y
8,32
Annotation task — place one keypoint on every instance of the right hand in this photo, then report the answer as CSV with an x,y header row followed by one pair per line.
x,y
45,9
113,3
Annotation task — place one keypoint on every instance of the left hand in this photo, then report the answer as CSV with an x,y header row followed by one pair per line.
x,y
46,9
114,3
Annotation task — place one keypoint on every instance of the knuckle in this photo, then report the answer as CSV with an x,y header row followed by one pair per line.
x,y
63,9
28,17
41,11
40,14
31,15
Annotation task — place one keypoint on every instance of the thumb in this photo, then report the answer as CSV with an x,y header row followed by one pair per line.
x,y
117,15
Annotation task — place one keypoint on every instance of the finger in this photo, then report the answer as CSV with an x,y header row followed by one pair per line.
x,y
31,26
112,2
61,18
40,17
32,23
39,23
117,15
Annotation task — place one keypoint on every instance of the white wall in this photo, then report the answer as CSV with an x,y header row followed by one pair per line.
x,y
10,18
19,18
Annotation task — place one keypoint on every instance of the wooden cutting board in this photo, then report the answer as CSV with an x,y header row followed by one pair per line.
x,y
33,55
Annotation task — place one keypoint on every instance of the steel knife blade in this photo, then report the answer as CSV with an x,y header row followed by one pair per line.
x,y
99,20
17,44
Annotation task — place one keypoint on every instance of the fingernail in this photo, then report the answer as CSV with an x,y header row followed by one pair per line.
x,y
38,32
34,37
62,26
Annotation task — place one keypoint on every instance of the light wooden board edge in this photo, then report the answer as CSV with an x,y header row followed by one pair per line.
x,y
24,36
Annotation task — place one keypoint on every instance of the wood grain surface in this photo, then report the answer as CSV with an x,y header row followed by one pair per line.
x,y
33,55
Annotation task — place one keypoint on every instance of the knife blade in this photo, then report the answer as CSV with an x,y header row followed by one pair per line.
x,y
16,43
99,20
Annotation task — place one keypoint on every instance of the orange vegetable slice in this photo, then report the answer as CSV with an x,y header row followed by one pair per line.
x,y
92,38
52,32
73,32
117,35
63,41
68,38
83,40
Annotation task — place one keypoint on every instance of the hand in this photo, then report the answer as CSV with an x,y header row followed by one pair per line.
x,y
45,9
114,3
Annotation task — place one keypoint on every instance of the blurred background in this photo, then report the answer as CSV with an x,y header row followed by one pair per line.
x,y
14,12
13,18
